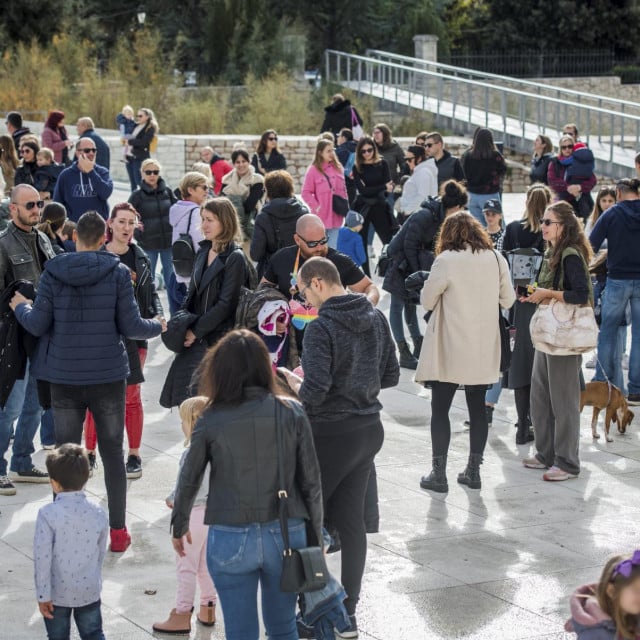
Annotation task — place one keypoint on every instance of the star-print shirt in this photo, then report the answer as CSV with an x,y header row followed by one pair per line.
x,y
68,550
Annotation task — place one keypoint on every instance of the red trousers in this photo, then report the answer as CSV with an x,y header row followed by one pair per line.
x,y
133,416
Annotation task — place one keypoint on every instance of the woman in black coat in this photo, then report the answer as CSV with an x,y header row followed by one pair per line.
x,y
268,156
152,200
373,182
139,142
411,250
340,115
219,272
542,156
26,171
524,234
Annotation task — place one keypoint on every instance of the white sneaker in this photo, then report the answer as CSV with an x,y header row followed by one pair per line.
x,y
625,361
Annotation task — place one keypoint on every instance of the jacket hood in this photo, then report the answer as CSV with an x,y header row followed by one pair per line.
x,y
338,106
182,208
161,186
82,268
285,208
352,310
629,212
586,612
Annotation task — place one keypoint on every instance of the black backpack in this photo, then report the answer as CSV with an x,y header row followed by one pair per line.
x,y
183,252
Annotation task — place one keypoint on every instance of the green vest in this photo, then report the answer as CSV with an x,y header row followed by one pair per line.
x,y
547,275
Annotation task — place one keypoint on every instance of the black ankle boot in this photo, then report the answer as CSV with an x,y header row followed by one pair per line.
x,y
407,361
524,434
417,345
437,479
471,475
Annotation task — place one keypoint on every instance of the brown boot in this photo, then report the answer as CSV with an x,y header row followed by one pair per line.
x,y
178,624
207,615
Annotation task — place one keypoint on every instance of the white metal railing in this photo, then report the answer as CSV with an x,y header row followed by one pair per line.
x,y
624,106
516,113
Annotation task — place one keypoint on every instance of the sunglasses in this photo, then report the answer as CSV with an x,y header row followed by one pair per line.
x,y
273,138
151,172
30,205
141,115
314,243
430,144
547,222
411,159
88,150
566,146
368,150
26,150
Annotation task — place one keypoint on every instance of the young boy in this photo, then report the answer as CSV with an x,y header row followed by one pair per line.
x,y
349,239
68,549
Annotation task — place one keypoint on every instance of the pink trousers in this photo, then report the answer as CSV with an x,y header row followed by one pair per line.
x,y
192,568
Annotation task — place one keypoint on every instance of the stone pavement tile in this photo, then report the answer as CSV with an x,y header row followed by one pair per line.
x,y
16,571
447,614
547,595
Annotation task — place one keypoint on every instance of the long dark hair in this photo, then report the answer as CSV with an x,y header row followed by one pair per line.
x,y
483,146
376,158
572,234
262,145
238,361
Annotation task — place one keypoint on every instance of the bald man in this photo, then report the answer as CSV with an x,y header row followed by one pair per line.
x,y
86,129
310,241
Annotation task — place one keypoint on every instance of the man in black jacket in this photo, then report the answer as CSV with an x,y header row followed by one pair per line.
x,y
348,357
449,168
23,252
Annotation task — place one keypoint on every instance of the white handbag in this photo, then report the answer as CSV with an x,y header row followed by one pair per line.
x,y
562,329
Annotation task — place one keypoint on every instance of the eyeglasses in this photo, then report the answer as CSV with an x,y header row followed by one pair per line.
x,y
151,172
30,205
272,138
88,150
566,146
548,222
367,150
314,243
302,291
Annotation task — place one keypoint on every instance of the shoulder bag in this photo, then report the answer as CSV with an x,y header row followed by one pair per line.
x,y
339,204
303,569
563,329
356,127
183,252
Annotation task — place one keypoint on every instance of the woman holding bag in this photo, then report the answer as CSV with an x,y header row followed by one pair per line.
x,y
323,179
237,437
555,380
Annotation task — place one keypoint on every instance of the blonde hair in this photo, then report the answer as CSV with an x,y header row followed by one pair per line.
x,y
148,161
46,153
205,169
190,410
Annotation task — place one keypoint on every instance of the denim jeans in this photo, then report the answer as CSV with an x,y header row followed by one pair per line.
x,y
618,379
133,171
332,234
106,402
165,261
493,394
398,305
23,405
616,295
47,428
476,202
88,620
241,557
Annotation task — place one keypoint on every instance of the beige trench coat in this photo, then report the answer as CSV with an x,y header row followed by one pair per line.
x,y
462,339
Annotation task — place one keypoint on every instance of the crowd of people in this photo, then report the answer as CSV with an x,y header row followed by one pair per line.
x,y
280,349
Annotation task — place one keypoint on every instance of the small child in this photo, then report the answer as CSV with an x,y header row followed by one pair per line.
x,y
126,124
192,568
349,238
68,549
46,175
609,610
67,235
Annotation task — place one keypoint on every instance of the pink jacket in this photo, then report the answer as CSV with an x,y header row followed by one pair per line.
x,y
53,141
317,193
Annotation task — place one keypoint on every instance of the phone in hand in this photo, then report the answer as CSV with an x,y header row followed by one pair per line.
x,y
524,291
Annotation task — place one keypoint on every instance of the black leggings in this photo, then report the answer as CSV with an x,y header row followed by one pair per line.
x,y
345,464
379,216
441,398
523,405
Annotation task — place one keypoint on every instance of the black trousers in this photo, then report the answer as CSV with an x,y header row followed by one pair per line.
x,y
345,464
381,218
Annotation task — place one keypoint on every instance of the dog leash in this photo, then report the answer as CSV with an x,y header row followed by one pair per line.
x,y
609,384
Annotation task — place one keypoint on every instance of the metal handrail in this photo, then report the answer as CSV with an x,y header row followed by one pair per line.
x,y
374,53
396,78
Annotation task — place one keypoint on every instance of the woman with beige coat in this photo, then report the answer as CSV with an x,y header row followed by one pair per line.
x,y
468,283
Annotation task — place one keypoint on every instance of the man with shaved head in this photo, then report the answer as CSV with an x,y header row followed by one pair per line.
x,y
310,241
86,129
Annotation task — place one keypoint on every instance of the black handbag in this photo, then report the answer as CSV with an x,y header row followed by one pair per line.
x,y
303,569
179,323
339,204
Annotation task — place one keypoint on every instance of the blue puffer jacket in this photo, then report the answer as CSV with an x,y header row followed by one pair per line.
x,y
83,308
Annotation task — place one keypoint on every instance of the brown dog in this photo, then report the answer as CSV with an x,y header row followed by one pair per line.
x,y
598,396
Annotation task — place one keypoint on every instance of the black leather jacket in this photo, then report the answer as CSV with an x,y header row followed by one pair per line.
x,y
239,442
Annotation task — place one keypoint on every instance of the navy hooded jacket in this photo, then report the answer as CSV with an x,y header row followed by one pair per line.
x,y
620,227
83,308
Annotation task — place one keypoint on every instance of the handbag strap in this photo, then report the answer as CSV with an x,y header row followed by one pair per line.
x,y
329,181
283,496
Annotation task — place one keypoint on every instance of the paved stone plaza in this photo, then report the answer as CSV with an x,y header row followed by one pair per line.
x,y
498,563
